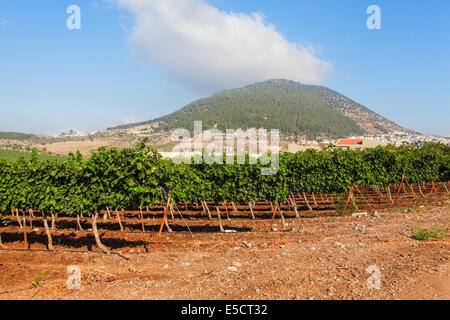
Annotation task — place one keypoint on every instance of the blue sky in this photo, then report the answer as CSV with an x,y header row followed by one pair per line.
x,y
129,62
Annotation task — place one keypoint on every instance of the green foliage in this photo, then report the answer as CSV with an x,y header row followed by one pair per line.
x,y
37,280
340,200
425,235
139,176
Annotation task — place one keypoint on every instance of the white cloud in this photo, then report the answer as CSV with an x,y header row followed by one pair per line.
x,y
127,119
4,22
206,49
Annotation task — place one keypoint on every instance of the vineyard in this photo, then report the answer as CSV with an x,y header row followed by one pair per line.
x,y
13,155
136,191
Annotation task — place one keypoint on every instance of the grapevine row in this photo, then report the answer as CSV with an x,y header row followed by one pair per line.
x,y
136,177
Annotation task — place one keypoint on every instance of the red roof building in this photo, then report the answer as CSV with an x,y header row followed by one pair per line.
x,y
355,144
349,142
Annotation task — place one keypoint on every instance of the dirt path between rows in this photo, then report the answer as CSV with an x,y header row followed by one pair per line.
x,y
319,258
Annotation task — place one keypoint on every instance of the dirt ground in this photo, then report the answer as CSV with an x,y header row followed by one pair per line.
x,y
317,258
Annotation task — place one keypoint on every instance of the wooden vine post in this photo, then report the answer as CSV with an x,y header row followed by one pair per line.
x,y
445,187
203,209
118,219
31,218
250,205
314,199
434,181
25,237
388,192
349,197
142,218
169,230
412,189
171,211
307,203
164,217
47,231
220,220
207,209
420,190
283,221
96,235
18,218
107,210
294,205
226,210
53,220
79,223
273,217
400,188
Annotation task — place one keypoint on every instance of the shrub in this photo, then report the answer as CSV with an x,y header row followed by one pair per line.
x,y
425,235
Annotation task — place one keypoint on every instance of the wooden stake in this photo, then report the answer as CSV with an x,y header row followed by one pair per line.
x,y
420,190
389,193
307,203
169,230
203,209
220,220
294,205
164,217
53,220
79,223
207,209
109,213
226,210
412,189
348,200
377,190
142,219
400,189
251,210
31,218
273,216
25,237
171,211
283,222
118,219
234,207
96,235
445,186
434,181
18,218
314,198
47,231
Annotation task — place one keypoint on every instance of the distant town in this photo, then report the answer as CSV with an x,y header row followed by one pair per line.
x,y
352,142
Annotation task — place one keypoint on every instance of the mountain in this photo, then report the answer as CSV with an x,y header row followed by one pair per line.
x,y
292,107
